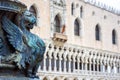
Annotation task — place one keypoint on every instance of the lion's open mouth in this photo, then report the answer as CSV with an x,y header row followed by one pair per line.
x,y
30,26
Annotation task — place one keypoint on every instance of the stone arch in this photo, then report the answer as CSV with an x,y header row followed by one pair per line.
x,y
46,78
101,79
57,23
75,79
57,78
59,16
83,79
81,26
98,32
114,36
34,10
65,78
77,27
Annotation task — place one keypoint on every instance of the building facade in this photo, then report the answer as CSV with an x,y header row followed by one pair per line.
x,y
82,39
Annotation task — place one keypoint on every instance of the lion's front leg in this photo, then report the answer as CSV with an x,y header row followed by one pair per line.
x,y
35,70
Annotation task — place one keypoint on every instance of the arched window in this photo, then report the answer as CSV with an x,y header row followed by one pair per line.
x,y
81,11
33,10
57,24
114,41
97,32
72,9
76,28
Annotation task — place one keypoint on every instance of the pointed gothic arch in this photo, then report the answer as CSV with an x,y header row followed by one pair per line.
x,y
77,27
33,9
114,37
97,32
57,23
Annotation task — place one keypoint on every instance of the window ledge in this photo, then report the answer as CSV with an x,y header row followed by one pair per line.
x,y
98,41
114,45
78,37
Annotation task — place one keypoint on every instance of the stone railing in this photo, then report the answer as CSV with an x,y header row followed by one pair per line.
x,y
78,61
94,73
82,73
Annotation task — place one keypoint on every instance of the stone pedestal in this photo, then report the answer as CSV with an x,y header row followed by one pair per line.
x,y
16,78
13,74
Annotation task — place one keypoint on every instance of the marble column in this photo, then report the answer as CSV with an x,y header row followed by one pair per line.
x,y
60,64
64,65
82,66
98,67
44,64
78,66
119,69
109,69
93,65
49,64
73,65
103,68
55,64
115,70
69,65
89,66
86,66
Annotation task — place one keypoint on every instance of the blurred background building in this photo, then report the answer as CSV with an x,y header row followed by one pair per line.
x,y
82,39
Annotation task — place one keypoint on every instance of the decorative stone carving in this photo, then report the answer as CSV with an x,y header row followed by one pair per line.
x,y
59,3
103,6
57,8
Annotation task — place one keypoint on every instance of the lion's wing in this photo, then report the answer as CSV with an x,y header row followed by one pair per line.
x,y
14,34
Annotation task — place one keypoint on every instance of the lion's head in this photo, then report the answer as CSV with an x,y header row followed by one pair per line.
x,y
30,19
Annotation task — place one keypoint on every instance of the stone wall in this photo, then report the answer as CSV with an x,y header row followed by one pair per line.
x,y
84,48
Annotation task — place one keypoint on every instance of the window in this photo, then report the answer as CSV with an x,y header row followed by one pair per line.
x,y
57,24
76,28
72,9
114,37
33,10
97,32
81,11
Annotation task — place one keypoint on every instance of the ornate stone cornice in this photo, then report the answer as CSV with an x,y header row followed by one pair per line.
x,y
103,6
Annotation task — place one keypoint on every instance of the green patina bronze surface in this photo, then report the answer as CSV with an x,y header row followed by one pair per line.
x,y
20,50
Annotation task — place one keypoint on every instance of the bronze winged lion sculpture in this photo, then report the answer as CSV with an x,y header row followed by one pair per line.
x,y
29,48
